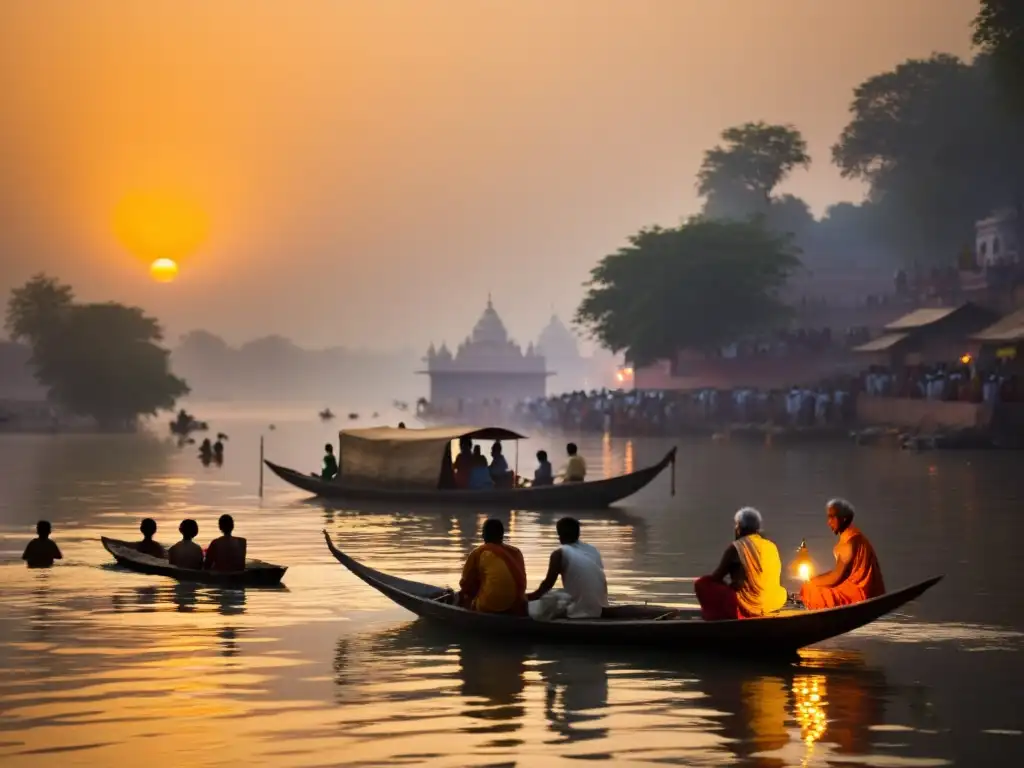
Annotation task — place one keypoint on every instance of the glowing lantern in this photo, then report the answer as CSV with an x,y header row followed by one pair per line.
x,y
965,359
802,566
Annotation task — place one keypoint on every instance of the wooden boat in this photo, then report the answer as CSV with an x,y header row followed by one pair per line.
x,y
414,466
641,625
256,573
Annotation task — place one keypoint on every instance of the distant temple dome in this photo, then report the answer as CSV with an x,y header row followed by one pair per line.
x,y
556,342
489,329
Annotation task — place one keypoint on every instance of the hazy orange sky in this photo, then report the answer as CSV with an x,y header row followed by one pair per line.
x,y
369,169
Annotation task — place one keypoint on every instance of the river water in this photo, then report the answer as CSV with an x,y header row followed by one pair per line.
x,y
100,667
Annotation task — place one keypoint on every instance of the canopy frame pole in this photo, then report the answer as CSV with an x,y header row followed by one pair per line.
x,y
515,477
673,474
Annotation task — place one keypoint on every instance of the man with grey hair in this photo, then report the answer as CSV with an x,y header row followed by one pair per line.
x,y
857,575
753,568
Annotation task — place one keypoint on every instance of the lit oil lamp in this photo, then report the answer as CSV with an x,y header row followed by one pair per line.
x,y
802,566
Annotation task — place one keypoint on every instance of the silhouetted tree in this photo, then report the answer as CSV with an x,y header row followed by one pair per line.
x,y
738,179
999,32
37,308
696,286
929,139
98,360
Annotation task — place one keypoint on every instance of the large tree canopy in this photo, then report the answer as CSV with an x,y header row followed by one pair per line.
x,y
696,286
999,32
98,360
36,308
739,177
938,153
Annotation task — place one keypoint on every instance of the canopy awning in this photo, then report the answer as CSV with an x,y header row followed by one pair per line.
x,y
410,458
882,343
1006,331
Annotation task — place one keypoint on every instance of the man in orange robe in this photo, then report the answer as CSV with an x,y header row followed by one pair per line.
x,y
857,575
494,576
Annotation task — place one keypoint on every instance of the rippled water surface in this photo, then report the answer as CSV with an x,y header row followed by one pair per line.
x,y
102,667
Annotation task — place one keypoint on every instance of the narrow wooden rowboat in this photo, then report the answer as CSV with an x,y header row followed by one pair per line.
x,y
405,466
642,625
256,573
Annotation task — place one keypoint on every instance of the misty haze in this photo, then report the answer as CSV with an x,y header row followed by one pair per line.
x,y
525,382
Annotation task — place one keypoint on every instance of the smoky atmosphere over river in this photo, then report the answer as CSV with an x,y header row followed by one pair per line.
x,y
101,666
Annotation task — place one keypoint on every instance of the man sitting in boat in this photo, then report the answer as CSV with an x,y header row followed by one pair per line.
x,y
479,473
330,470
500,473
579,564
857,575
543,474
226,553
147,546
575,467
186,553
494,576
754,569
463,464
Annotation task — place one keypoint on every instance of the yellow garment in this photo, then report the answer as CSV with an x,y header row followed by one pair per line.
x,y
486,578
762,591
575,469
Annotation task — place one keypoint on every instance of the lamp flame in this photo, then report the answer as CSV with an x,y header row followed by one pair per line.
x,y
802,566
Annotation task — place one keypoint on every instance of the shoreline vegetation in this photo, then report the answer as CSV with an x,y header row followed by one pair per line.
x,y
99,363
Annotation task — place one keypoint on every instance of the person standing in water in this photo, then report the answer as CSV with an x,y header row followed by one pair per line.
x,y
42,550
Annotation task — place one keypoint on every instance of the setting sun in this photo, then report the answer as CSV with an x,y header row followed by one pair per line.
x,y
163,270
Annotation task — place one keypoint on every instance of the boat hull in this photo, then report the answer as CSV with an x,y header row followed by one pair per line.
x,y
256,574
639,626
595,494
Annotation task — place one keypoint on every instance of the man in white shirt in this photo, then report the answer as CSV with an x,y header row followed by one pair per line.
x,y
582,572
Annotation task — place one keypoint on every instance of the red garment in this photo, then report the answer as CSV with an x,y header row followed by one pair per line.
x,y
463,467
717,600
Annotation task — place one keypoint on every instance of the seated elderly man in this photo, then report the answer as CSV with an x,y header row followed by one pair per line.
x,y
753,568
857,575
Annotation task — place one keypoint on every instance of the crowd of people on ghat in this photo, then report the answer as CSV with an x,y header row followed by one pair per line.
x,y
961,382
658,413
832,403
747,582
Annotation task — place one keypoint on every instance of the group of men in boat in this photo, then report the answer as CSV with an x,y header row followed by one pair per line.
x,y
747,582
226,553
471,470
494,577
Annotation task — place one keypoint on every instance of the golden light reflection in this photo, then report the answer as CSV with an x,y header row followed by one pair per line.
x,y
810,706
629,457
606,456
157,227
